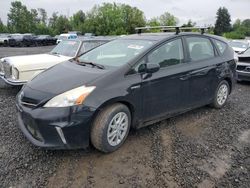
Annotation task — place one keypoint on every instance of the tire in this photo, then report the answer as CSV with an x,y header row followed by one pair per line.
x,y
104,134
5,44
221,95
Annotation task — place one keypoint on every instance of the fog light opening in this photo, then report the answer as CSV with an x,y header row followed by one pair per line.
x,y
60,132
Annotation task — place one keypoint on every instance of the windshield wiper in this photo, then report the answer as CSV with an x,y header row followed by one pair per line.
x,y
91,63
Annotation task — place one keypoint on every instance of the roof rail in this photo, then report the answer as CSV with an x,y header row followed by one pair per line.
x,y
177,29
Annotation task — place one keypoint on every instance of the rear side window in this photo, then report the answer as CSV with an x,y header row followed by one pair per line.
x,y
221,46
200,48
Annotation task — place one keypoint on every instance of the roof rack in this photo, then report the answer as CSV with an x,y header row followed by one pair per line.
x,y
177,29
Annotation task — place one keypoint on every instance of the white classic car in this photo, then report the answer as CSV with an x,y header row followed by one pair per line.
x,y
18,70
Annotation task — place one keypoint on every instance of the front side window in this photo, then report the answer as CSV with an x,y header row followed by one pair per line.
x,y
200,48
116,53
66,48
168,54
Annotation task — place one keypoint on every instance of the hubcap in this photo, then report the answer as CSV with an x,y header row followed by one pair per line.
x,y
222,94
117,129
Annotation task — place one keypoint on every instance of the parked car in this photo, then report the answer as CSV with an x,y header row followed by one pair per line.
x,y
239,46
243,66
16,40
18,70
45,40
133,81
29,40
66,36
4,39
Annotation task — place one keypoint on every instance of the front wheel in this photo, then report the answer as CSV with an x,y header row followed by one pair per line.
x,y
221,94
111,127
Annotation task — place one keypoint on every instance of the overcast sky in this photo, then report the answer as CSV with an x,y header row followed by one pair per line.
x,y
201,11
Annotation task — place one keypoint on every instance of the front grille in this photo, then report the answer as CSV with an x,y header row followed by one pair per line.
x,y
6,70
241,67
26,101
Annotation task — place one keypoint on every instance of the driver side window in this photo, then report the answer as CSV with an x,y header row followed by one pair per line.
x,y
168,54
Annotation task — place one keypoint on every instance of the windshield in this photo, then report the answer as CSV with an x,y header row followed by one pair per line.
x,y
247,52
67,48
90,45
116,53
238,44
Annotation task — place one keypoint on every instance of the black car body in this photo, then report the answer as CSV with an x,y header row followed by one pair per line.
x,y
45,40
243,66
144,90
29,40
16,40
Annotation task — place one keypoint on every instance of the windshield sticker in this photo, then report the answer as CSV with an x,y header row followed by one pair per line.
x,y
136,47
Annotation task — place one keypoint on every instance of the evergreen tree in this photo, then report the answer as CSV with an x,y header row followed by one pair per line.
x,y
222,24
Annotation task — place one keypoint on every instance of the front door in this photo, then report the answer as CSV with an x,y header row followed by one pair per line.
x,y
164,92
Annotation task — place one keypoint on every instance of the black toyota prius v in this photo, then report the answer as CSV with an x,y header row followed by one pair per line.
x,y
127,83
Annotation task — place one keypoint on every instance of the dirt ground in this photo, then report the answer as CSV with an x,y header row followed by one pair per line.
x,y
202,148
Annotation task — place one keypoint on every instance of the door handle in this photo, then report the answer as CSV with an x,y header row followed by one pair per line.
x,y
185,77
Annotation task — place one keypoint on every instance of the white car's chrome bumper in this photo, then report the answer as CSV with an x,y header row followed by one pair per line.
x,y
12,82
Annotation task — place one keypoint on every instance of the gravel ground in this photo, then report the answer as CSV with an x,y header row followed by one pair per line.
x,y
201,148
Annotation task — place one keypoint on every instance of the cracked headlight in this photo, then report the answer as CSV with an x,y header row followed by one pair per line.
x,y
70,98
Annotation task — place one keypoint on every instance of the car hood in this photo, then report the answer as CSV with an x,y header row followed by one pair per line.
x,y
35,62
65,76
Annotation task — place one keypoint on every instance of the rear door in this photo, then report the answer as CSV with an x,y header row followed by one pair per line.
x,y
204,62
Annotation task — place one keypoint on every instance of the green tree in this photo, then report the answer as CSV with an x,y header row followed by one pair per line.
x,y
3,28
19,18
77,21
190,23
113,19
62,25
132,17
42,15
223,20
237,24
168,19
154,22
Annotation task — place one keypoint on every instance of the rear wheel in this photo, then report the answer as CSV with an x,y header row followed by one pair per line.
x,y
111,127
221,94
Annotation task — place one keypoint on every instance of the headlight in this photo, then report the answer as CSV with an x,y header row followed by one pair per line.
x,y
15,73
70,98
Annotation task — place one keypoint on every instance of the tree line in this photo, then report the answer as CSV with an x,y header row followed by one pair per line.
x,y
107,19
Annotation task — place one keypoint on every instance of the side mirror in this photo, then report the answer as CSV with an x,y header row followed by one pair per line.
x,y
149,68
